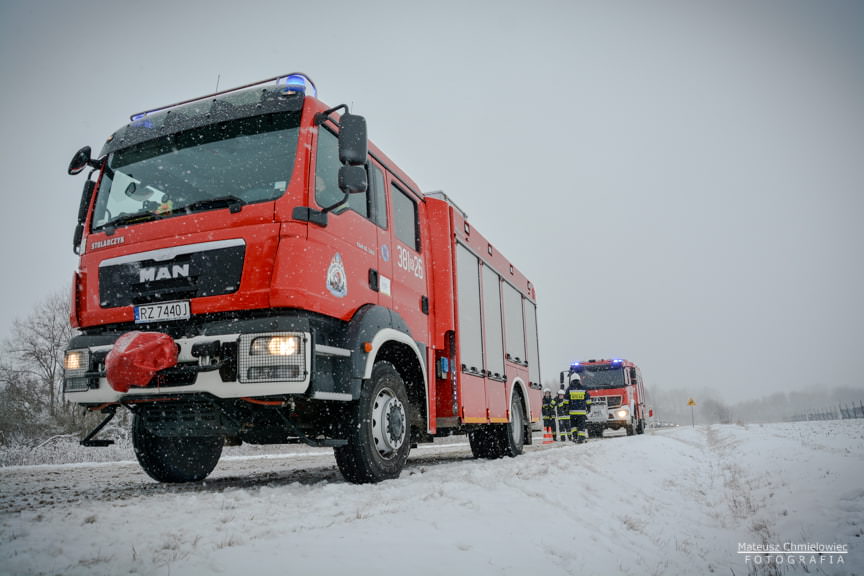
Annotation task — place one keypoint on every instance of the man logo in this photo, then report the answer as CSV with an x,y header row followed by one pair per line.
x,y
155,273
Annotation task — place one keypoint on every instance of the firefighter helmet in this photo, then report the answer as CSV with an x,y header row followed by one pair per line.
x,y
575,378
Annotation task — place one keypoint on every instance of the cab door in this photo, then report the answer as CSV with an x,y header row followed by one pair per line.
x,y
378,214
339,257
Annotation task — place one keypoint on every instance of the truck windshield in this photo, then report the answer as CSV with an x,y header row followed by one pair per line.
x,y
222,165
603,377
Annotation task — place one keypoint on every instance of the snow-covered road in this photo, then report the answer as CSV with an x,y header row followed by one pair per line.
x,y
676,501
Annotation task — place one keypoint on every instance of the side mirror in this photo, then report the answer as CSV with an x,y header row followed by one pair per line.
x,y
80,161
353,140
352,179
562,377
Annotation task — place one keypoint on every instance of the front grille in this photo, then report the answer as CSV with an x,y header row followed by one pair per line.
x,y
613,401
180,273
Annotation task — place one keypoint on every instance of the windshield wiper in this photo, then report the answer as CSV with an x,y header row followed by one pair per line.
x,y
233,203
135,218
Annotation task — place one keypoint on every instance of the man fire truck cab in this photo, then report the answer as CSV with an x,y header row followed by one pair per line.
x,y
252,269
617,395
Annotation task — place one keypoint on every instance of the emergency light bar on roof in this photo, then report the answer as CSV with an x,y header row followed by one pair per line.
x,y
293,82
580,366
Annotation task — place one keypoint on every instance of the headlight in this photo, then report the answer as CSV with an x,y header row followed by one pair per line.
x,y
275,346
274,357
76,362
622,413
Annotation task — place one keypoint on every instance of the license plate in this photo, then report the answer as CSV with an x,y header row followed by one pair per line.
x,y
162,312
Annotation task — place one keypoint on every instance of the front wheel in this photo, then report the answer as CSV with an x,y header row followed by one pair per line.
x,y
378,433
174,459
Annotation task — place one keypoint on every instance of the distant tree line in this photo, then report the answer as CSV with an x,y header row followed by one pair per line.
x,y
671,406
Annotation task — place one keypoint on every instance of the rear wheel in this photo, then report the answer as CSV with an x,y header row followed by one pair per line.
x,y
514,439
378,435
497,440
174,459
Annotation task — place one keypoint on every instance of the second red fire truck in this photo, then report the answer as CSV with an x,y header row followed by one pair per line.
x,y
617,392
253,270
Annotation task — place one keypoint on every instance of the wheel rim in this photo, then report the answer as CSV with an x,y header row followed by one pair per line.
x,y
388,423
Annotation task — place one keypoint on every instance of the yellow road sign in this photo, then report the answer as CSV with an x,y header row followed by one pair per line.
x,y
691,402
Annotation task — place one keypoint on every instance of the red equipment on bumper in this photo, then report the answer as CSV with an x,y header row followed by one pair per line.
x,y
136,357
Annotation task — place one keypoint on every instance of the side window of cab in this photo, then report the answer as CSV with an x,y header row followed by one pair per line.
x,y
327,190
327,165
405,218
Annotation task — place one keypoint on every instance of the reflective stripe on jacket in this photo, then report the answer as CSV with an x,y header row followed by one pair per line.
x,y
562,408
580,401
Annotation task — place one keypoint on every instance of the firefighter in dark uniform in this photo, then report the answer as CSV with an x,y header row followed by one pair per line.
x,y
562,414
548,410
580,405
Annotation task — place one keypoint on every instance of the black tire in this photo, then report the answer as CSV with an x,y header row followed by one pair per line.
x,y
630,430
514,431
640,427
485,442
378,434
498,440
174,459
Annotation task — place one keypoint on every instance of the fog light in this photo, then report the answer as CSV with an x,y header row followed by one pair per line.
x,y
76,385
275,346
273,373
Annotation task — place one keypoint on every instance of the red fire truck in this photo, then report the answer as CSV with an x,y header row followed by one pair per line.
x,y
252,269
617,393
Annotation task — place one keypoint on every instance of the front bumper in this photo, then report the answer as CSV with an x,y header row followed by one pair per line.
x,y
224,366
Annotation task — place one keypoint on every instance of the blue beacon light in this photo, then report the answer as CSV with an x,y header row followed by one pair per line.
x,y
141,120
297,83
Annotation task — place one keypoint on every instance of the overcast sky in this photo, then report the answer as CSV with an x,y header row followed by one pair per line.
x,y
683,181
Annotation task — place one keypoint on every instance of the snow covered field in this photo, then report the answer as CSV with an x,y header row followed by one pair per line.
x,y
675,501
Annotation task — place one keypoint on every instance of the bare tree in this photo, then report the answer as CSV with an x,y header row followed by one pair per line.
x,y
23,406
36,346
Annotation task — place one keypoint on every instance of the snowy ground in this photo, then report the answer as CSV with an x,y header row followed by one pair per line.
x,y
674,501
